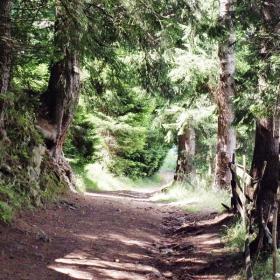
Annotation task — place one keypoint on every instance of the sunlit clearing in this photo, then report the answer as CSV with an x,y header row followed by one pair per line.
x,y
170,160
96,177
193,198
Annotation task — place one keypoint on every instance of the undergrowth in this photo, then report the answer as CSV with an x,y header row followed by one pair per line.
x,y
234,236
234,239
195,197
264,268
95,176
27,175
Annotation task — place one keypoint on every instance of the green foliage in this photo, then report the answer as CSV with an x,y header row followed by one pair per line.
x,y
33,26
32,77
154,152
82,142
235,237
264,268
175,119
9,200
137,154
84,178
123,114
137,56
96,177
257,63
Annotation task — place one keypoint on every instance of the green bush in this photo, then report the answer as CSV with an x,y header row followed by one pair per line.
x,y
82,141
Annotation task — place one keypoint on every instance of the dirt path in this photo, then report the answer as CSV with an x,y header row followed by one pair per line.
x,y
113,235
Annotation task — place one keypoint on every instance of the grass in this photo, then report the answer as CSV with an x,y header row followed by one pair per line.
x,y
235,240
194,198
95,177
235,236
156,179
264,269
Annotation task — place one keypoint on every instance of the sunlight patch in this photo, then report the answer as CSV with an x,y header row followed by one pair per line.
x,y
86,236
94,267
73,272
129,241
210,240
196,261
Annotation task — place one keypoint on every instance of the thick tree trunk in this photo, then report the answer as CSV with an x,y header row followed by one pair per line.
x,y
186,151
267,130
5,56
226,134
266,149
64,90
59,102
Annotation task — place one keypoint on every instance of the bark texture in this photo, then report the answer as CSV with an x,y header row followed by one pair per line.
x,y
5,56
266,149
63,90
267,130
59,102
226,134
186,151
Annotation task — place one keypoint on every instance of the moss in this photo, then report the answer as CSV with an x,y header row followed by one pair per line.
x,y
28,174
20,189
51,184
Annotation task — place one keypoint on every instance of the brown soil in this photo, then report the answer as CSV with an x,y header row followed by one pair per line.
x,y
114,235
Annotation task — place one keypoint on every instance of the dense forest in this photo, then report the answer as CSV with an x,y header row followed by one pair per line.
x,y
122,82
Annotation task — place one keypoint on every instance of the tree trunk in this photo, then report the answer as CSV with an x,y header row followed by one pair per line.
x,y
5,57
59,102
267,130
266,149
64,90
186,152
226,134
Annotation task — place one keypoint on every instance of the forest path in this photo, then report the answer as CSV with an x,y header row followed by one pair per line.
x,y
113,235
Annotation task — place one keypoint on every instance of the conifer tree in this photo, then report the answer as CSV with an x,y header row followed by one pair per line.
x,y
226,134
5,57
267,124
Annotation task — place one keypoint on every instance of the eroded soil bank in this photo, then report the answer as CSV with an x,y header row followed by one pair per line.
x,y
114,235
